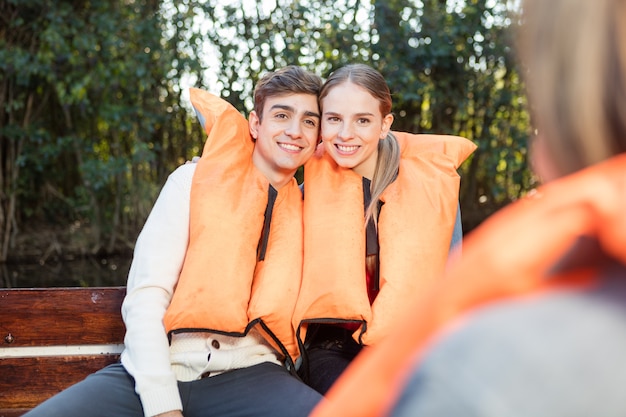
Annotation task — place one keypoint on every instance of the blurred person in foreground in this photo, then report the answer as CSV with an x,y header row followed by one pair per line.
x,y
531,321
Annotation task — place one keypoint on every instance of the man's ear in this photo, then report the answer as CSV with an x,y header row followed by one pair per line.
x,y
254,122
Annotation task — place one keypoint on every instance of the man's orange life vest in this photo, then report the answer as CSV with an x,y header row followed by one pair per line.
x,y
516,252
414,229
222,287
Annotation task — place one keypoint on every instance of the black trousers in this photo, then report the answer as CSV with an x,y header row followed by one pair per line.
x,y
329,351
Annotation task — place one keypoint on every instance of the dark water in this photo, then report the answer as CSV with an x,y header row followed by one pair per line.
x,y
84,272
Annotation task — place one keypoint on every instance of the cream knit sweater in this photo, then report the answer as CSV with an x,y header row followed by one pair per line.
x,y
148,356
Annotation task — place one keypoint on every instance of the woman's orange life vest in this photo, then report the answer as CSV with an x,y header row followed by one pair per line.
x,y
414,229
514,253
222,287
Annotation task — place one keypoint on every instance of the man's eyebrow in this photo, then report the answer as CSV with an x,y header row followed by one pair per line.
x,y
293,110
312,114
282,107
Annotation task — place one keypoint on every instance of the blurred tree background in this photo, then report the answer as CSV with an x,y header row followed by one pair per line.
x,y
95,113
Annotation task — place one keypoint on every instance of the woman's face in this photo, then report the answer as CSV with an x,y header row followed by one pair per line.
x,y
352,125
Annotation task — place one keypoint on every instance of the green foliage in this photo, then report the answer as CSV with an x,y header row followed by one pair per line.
x,y
92,92
90,110
449,65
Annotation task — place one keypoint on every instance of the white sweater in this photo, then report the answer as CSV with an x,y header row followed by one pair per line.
x,y
158,259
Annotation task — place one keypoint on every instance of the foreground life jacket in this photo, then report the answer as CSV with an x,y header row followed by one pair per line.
x,y
224,286
519,251
415,227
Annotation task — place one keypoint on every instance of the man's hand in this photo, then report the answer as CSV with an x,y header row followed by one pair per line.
x,y
173,413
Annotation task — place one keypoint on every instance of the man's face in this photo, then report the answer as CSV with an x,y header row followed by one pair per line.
x,y
286,135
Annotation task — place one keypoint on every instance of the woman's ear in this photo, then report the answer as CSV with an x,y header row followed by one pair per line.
x,y
253,123
386,126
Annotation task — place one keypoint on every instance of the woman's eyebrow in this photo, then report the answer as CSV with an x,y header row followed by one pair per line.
x,y
332,113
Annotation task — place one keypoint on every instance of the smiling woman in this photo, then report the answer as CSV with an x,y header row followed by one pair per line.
x,y
352,126
380,208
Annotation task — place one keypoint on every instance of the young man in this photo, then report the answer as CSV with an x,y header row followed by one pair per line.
x,y
216,272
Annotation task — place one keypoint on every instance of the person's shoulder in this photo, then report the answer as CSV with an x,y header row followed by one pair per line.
x,y
185,169
548,316
183,175
551,347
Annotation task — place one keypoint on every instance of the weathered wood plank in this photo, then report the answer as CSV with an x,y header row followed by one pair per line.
x,y
25,382
61,316
52,338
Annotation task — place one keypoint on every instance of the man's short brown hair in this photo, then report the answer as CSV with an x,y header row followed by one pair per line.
x,y
288,80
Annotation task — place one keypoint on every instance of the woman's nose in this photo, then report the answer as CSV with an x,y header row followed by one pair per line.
x,y
346,131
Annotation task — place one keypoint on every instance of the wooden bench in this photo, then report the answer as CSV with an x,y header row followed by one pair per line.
x,y
52,338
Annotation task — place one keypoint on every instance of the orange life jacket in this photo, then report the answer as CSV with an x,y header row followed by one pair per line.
x,y
514,253
222,287
414,229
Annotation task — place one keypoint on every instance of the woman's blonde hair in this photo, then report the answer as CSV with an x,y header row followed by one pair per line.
x,y
388,159
574,55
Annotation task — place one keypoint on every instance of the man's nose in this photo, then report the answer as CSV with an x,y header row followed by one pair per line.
x,y
294,129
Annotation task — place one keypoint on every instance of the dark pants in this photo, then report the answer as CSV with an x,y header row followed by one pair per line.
x,y
330,349
262,390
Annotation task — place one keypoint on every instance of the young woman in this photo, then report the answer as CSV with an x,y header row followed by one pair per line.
x,y
379,214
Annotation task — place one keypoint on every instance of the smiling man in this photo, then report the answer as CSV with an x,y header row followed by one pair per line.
x,y
288,134
216,272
